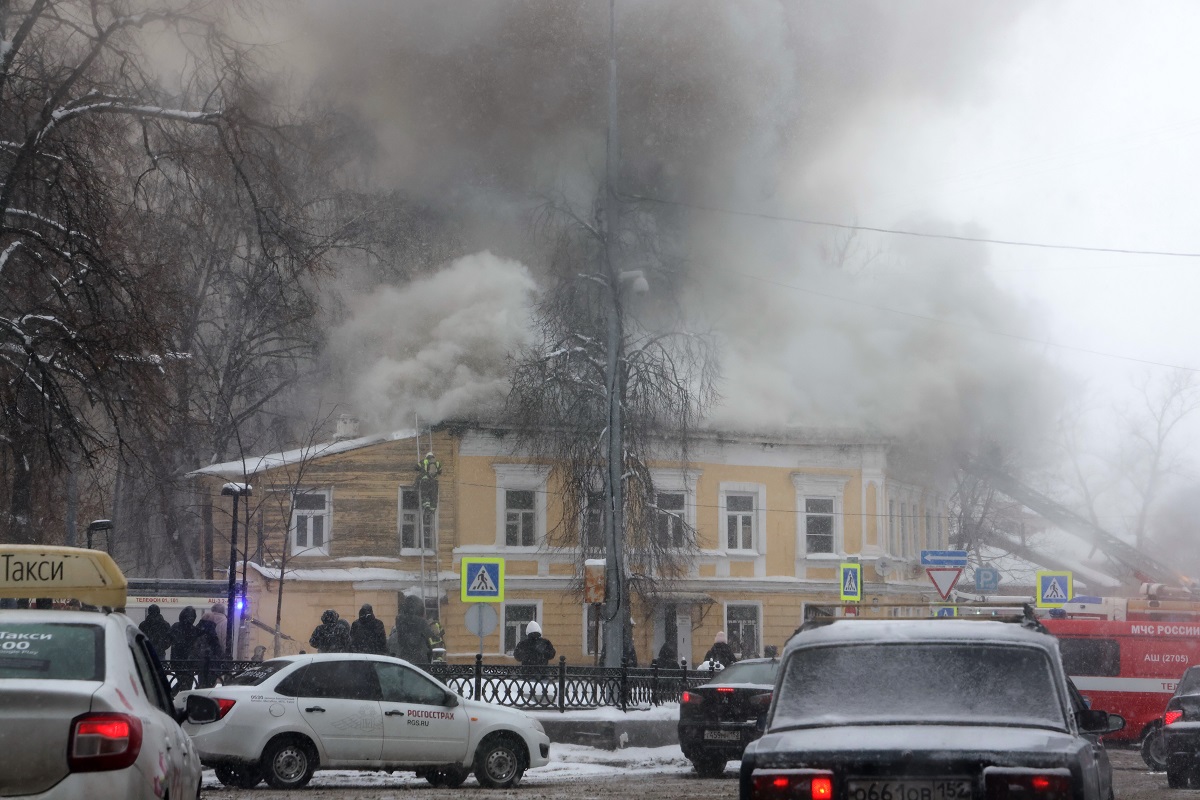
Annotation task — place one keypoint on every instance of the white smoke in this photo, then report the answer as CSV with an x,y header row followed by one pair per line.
x,y
436,347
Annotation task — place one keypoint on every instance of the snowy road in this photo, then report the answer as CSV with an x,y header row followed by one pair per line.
x,y
584,773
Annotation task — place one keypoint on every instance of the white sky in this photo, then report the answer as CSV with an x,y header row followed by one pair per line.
x,y
1086,132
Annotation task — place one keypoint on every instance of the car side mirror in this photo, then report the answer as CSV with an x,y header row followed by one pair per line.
x,y
1095,721
450,700
201,710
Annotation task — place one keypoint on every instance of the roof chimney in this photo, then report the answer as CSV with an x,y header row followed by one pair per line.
x,y
347,428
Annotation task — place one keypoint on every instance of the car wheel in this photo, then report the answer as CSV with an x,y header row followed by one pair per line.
x,y
241,776
499,763
288,763
709,766
451,777
1154,748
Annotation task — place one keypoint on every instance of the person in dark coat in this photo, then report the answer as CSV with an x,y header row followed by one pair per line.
x,y
183,633
206,648
326,637
367,634
720,651
668,654
410,638
534,650
157,630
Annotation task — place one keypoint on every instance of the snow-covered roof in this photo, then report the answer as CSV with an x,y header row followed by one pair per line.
x,y
348,574
253,465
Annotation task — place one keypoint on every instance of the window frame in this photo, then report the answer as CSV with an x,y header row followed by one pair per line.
x,y
432,530
758,517
537,617
811,486
676,482
521,477
310,551
758,623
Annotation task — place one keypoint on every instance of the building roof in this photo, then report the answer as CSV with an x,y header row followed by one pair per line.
x,y
253,465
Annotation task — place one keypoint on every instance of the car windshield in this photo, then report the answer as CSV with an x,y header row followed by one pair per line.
x,y
760,672
973,684
51,651
258,673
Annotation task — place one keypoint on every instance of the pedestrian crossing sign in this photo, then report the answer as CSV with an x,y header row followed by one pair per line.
x,y
1054,588
482,580
850,578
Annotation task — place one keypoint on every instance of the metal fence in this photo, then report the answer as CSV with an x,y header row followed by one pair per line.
x,y
560,686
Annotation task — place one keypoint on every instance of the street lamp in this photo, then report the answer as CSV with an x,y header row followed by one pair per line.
x,y
99,525
234,490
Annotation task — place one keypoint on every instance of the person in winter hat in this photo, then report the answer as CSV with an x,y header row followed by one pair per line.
x,y
326,637
410,638
183,633
220,622
367,634
342,642
157,630
534,650
720,651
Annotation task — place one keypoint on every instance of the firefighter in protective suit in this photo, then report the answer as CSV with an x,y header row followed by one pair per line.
x,y
428,470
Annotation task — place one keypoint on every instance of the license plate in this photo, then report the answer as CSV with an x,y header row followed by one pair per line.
x,y
723,736
909,789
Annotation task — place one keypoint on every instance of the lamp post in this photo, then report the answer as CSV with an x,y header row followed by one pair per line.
x,y
234,490
98,525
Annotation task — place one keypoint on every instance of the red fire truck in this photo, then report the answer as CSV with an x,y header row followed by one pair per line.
x,y
1126,656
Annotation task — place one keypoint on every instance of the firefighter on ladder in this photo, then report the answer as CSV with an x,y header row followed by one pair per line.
x,y
428,470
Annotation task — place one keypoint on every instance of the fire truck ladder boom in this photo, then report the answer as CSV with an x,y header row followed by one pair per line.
x,y
1137,564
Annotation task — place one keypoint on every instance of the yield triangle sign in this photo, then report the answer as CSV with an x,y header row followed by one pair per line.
x,y
944,579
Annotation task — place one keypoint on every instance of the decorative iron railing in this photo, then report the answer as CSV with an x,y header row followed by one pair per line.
x,y
560,686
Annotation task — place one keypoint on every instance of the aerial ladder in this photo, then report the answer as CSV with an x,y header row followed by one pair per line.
x,y
1130,563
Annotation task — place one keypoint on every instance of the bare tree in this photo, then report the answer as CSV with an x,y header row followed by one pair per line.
x,y
601,344
154,252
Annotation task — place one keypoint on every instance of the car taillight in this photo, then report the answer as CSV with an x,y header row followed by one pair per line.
x,y
223,706
726,689
761,702
791,784
1022,785
1172,716
691,698
103,742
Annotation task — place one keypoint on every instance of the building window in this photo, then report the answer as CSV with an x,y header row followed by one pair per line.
x,y
410,522
904,529
593,630
739,521
520,505
517,617
671,524
742,630
310,532
520,518
930,542
818,524
893,545
593,524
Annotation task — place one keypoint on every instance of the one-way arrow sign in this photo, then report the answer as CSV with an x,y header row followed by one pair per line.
x,y
944,579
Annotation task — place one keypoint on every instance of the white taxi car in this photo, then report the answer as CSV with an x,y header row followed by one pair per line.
x,y
290,716
85,713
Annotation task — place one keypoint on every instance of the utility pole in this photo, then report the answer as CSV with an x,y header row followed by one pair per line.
x,y
616,595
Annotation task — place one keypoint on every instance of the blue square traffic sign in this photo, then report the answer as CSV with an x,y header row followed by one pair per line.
x,y
482,580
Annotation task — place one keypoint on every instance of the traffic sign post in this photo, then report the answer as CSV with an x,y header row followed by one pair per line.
x,y
850,580
987,579
482,580
1054,588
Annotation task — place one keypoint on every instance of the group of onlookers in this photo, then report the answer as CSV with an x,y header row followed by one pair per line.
x,y
413,638
187,639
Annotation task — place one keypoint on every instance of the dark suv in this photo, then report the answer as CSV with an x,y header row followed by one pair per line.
x,y
718,719
1181,732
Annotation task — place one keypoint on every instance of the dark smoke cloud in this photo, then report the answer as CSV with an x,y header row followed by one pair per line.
x,y
482,107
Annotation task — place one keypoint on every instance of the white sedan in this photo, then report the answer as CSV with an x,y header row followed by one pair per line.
x,y
290,716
